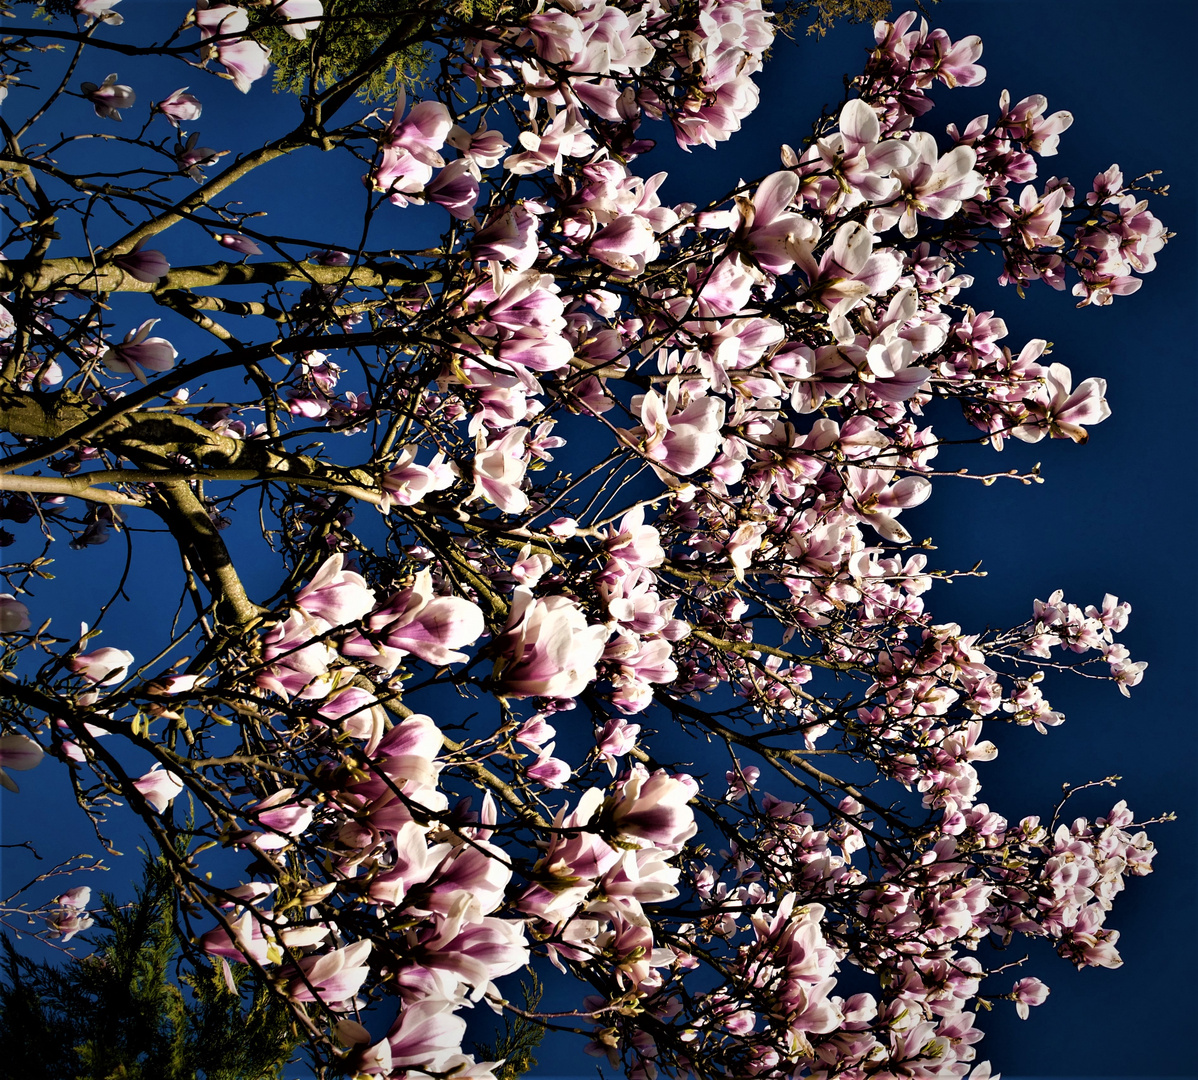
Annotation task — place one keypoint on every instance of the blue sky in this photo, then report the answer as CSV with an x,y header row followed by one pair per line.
x,y
1115,515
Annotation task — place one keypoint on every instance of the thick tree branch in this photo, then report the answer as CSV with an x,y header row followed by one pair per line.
x,y
51,275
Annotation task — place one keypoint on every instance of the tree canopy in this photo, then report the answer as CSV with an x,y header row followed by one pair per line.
x,y
520,553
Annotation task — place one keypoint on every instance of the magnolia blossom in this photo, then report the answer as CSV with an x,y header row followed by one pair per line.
x,y
179,106
406,483
455,188
1058,410
417,621
360,712
17,752
242,244
335,596
103,666
774,354
652,808
547,770
99,11
933,185
246,62
499,469
682,439
332,977
1028,993
548,649
482,150
139,353
298,666
426,1035
307,10
144,264
71,917
850,270
193,159
109,97
14,616
160,787
510,236
244,59
411,148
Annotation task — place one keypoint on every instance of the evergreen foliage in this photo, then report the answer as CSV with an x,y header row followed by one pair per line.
x,y
117,1014
352,31
520,1037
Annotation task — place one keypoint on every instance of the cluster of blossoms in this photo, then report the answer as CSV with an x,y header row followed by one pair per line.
x,y
419,746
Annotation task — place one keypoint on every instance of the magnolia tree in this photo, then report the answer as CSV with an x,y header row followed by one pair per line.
x,y
483,548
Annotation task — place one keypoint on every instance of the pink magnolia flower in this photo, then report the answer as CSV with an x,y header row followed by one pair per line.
x,y
565,136
766,227
1028,992
859,159
548,649
850,270
741,781
297,665
307,10
680,439
144,264
103,666
246,61
499,469
474,952
419,622
193,159
653,809
547,770
217,20
71,918
242,244
17,752
625,244
99,11
14,616
643,876
406,756
78,897
247,940
411,150
483,150
933,185
360,714
524,301
333,977
160,787
335,596
617,738
282,818
508,237
363,1059
139,353
1056,409
634,543
426,1035
109,97
1026,122
406,483
455,188
1113,614
179,106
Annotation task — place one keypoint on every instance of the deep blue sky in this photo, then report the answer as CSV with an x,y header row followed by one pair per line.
x,y
1115,515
